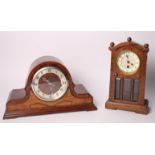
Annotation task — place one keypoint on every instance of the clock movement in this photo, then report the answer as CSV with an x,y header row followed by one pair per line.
x,y
127,79
49,89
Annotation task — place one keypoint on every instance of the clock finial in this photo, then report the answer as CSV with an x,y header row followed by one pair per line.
x,y
146,46
112,44
129,39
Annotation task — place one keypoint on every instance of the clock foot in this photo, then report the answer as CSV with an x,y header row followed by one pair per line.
x,y
138,108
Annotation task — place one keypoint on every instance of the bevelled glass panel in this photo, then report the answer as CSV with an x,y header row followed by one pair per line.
x,y
127,89
136,90
117,88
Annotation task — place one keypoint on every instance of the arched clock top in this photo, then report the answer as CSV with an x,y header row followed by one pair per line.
x,y
129,44
43,59
47,61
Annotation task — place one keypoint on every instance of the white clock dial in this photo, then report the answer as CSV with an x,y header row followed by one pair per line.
x,y
128,62
49,84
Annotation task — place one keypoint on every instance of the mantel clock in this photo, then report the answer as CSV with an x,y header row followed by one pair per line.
x,y
128,74
49,89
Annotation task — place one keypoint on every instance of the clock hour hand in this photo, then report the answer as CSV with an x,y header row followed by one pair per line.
x,y
128,62
47,81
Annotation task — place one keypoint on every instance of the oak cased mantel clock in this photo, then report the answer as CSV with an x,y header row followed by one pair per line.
x,y
49,89
127,79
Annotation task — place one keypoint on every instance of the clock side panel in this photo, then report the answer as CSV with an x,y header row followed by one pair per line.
x,y
142,77
112,79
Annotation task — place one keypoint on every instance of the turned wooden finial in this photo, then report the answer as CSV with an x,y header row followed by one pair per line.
x,y
112,44
129,39
146,46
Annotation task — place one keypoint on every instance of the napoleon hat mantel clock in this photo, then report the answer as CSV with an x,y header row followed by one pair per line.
x,y
128,74
49,89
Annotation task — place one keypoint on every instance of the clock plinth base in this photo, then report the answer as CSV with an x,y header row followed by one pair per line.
x,y
84,107
141,109
21,104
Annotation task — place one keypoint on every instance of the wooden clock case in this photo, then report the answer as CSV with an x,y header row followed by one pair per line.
x,y
141,104
23,102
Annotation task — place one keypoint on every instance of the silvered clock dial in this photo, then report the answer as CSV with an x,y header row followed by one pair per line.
x,y
49,84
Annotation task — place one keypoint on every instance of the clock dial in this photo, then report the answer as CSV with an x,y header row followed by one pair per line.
x,y
128,62
49,84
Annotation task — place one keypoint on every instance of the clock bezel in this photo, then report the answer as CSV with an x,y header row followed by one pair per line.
x,y
128,73
54,98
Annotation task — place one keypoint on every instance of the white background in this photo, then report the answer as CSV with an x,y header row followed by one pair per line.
x,y
88,59
81,15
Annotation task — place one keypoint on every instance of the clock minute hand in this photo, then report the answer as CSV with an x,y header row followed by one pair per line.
x,y
127,56
45,80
